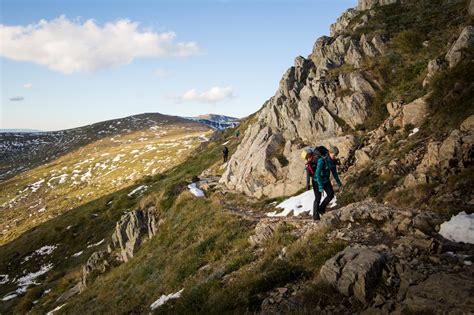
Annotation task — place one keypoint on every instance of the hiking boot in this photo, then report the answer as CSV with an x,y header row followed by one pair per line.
x,y
316,216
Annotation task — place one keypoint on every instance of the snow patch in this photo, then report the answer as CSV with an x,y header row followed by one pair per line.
x,y
460,228
195,191
299,204
139,188
56,309
77,254
165,298
43,251
29,279
35,186
118,157
414,131
96,244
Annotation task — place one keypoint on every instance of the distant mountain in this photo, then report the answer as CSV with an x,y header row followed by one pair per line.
x,y
214,121
20,130
20,151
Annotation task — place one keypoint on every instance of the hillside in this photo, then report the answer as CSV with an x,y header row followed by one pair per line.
x,y
95,161
392,87
22,151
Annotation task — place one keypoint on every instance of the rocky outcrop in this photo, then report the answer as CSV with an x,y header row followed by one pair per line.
x,y
310,107
465,41
264,230
443,158
97,264
131,230
455,54
370,4
354,271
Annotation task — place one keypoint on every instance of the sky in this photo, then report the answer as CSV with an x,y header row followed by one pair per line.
x,y
69,63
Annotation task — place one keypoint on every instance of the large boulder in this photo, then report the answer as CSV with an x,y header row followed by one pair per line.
x,y
131,230
415,112
354,271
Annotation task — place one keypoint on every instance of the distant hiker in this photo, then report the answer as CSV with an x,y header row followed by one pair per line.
x,y
321,162
237,133
225,153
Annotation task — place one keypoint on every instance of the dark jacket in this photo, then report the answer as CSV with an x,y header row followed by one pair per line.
x,y
326,166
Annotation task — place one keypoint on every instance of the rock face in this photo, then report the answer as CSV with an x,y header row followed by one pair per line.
x,y
354,271
129,234
131,230
465,40
95,265
310,107
454,55
369,4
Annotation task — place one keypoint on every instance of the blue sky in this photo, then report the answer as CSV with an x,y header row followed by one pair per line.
x,y
174,57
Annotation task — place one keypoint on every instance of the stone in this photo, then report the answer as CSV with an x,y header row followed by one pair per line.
x,y
434,66
465,41
414,112
354,271
394,108
342,22
414,179
96,264
468,124
471,8
362,158
441,293
263,231
131,230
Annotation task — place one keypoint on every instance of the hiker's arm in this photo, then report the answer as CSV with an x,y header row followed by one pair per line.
x,y
319,168
336,175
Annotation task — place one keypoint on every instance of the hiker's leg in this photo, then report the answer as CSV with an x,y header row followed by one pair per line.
x,y
329,195
317,200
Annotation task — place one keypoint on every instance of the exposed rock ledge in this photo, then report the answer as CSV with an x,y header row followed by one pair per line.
x,y
130,232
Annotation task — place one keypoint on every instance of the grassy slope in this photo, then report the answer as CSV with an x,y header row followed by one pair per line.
x,y
113,163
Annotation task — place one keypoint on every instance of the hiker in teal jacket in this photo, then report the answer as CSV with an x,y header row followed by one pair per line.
x,y
322,182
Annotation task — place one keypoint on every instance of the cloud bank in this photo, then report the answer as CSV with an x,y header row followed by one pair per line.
x,y
213,95
28,85
17,99
69,46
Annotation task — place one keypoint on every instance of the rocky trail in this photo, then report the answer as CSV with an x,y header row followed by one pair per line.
x,y
394,260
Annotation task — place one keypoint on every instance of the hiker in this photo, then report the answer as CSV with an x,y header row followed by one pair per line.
x,y
237,133
225,152
321,163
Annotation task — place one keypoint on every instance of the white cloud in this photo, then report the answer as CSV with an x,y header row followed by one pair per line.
x,y
213,95
163,73
17,99
70,46
28,85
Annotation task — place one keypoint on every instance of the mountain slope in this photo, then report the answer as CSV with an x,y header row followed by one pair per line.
x,y
23,151
153,144
340,93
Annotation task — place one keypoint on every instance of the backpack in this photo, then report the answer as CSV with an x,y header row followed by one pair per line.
x,y
317,153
